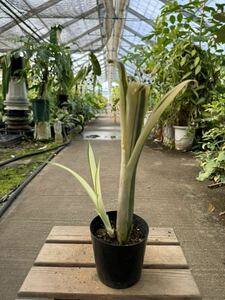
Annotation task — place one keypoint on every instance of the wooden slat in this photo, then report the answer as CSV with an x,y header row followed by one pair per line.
x,y
34,298
68,255
82,283
81,235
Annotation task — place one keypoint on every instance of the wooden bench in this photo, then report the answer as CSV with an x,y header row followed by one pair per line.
x,y
65,269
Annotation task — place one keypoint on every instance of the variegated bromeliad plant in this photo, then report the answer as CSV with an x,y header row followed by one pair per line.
x,y
133,102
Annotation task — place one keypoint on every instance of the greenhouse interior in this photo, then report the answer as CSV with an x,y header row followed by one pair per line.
x,y
112,149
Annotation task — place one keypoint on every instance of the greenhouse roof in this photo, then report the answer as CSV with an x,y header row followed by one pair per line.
x,y
109,28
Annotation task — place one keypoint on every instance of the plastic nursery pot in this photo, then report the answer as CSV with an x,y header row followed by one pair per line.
x,y
118,266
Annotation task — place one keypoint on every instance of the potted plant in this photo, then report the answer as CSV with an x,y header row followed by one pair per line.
x,y
39,76
188,60
119,237
49,70
64,77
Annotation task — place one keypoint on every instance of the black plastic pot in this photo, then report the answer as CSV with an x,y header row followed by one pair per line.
x,y
118,266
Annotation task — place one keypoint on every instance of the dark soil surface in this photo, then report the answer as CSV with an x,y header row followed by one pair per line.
x,y
136,236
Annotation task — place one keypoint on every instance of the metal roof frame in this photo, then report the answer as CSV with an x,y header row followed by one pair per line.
x,y
78,18
87,45
29,14
83,34
140,16
111,19
133,32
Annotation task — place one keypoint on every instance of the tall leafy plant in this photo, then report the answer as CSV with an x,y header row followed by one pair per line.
x,y
187,60
49,66
212,156
133,98
164,57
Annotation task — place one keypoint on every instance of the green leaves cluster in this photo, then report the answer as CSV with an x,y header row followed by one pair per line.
x,y
182,45
49,67
88,105
187,60
212,165
115,97
133,101
212,156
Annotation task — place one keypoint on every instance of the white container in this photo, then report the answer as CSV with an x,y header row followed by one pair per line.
x,y
184,137
168,136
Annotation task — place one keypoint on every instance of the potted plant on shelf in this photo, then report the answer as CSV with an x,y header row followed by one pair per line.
x,y
119,237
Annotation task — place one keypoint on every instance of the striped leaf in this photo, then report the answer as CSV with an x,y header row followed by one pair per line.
x,y
82,181
92,164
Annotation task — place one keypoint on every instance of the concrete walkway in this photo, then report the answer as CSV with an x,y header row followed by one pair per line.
x,y
167,194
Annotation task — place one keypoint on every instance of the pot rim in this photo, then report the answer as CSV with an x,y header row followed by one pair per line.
x,y
118,245
181,127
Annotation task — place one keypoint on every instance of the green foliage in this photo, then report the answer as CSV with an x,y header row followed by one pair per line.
x,y
213,165
184,47
212,158
10,178
13,176
133,101
98,102
187,60
49,65
88,105
68,119
77,106
89,73
81,74
78,110
115,97
95,64
1,102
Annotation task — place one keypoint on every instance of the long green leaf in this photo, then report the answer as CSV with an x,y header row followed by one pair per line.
x,y
166,100
105,219
123,94
95,195
141,110
95,64
97,183
92,164
132,103
80,74
82,181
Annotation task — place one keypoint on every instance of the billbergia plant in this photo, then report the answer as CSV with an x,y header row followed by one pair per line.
x,y
133,102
